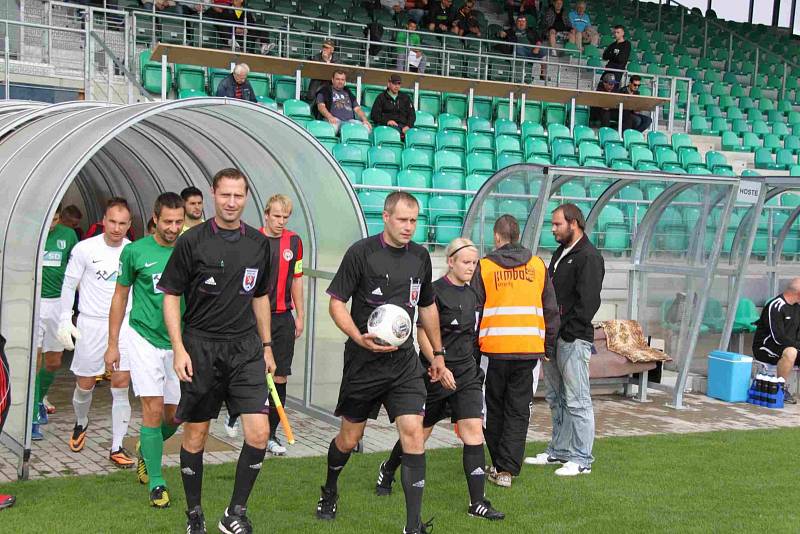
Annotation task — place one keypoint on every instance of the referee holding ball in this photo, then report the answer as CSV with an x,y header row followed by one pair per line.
x,y
223,351
387,268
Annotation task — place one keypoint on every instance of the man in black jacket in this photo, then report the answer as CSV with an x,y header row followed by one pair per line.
x,y
577,271
632,119
236,84
618,53
325,55
607,84
393,108
518,327
441,17
777,337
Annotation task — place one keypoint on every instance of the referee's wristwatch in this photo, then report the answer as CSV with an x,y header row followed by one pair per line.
x,y
267,344
439,352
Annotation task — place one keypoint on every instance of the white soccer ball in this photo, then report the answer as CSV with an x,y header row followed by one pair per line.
x,y
390,324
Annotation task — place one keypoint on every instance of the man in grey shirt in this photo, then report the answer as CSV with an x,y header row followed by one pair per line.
x,y
336,104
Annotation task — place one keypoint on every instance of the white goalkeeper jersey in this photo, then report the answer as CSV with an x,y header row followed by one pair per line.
x,y
93,268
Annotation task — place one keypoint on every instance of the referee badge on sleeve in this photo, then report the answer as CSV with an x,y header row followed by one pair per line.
x,y
249,279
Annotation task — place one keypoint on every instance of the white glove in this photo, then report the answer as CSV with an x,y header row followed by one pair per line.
x,y
67,331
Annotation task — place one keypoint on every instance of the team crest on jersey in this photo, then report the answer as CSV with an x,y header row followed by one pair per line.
x,y
287,254
249,280
413,291
61,243
156,280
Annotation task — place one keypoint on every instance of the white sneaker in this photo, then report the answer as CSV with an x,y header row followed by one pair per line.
x,y
543,459
571,469
275,448
231,429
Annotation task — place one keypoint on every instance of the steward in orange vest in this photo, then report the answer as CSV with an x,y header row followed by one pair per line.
x,y
519,322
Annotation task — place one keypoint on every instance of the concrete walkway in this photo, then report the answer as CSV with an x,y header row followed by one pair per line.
x,y
615,416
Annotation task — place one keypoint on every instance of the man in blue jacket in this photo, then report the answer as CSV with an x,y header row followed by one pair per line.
x,y
236,84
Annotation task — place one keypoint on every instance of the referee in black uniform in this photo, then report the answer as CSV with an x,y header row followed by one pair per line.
x,y
384,268
221,267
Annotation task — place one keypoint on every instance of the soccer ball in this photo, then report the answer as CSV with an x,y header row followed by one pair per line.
x,y
390,324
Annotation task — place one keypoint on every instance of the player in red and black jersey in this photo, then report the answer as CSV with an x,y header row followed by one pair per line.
x,y
286,257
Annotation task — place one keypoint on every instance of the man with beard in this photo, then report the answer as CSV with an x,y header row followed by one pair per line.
x,y
193,205
577,271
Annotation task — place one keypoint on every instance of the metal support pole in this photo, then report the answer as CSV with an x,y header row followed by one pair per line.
x,y
6,57
673,99
511,106
680,36
730,51
572,116
656,116
705,38
470,101
688,102
298,84
416,95
658,24
755,72
619,121
163,76
783,81
109,71
522,98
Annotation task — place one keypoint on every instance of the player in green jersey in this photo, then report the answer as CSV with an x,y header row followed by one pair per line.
x,y
57,248
146,342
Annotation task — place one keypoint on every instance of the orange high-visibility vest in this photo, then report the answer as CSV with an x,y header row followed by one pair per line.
x,y
513,319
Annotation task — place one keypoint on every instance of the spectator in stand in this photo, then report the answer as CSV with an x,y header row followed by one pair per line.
x,y
582,29
192,8
531,9
416,10
336,104
512,8
71,216
408,52
466,23
240,37
325,55
556,23
158,5
608,84
632,119
235,85
393,108
523,37
617,53
441,16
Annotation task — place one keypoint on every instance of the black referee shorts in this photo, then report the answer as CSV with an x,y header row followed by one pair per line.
x,y
466,402
283,342
394,380
233,372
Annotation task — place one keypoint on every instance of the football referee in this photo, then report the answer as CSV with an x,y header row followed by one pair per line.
x,y
387,268
223,351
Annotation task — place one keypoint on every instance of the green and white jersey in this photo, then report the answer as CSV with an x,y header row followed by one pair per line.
x,y
140,266
60,242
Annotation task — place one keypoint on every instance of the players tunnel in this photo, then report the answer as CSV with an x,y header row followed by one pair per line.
x,y
82,153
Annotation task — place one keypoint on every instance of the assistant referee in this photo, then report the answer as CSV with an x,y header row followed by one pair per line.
x,y
387,268
221,267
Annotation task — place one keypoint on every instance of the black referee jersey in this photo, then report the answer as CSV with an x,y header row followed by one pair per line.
x,y
373,273
457,307
219,272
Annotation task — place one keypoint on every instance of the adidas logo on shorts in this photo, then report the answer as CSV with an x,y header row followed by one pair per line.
x,y
210,282
255,466
188,471
419,483
478,472
455,322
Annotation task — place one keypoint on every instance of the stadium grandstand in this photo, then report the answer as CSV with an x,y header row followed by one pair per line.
x,y
696,214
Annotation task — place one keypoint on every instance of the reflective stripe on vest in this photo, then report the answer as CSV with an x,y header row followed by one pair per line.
x,y
513,318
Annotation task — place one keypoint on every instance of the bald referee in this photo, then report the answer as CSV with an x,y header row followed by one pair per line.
x,y
223,351
387,268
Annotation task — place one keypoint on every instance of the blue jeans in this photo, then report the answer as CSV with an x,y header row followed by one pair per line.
x,y
567,379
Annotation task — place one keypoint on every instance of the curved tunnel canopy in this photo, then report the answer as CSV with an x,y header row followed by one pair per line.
x,y
85,152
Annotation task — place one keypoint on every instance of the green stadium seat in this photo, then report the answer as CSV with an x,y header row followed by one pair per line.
x,y
511,186
531,129
473,182
456,104
447,216
387,137
299,111
780,129
750,141
417,160
608,136
373,176
502,109
283,88
355,133
482,106
480,164
385,159
431,102
614,232
772,142
414,179
538,159
557,131
665,156
507,159
480,142
792,142
425,121
447,161
555,113
785,158
450,141
699,126
536,146
351,157
763,160
716,160
421,139
505,127
589,154
656,139
582,134
369,93
746,315
214,77
505,144
479,124
533,111
641,155
732,143
190,77
323,131
760,128
151,74
448,180
616,153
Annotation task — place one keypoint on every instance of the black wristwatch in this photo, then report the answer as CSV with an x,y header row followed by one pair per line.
x,y
267,344
439,352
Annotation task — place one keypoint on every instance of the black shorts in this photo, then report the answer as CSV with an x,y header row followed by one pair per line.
x,y
283,342
233,372
394,380
765,356
466,402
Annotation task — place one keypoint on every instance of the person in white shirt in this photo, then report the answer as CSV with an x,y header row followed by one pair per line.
x,y
94,266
